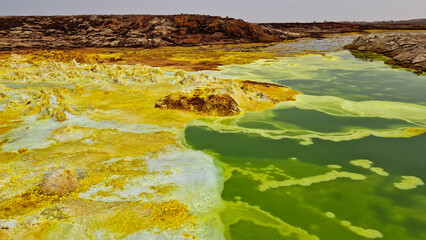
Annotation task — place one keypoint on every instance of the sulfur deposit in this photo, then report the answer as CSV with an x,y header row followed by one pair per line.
x,y
127,172
226,98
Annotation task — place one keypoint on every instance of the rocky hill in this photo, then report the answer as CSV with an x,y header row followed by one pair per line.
x,y
125,31
149,31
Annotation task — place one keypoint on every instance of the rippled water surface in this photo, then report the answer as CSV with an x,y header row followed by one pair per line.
x,y
344,161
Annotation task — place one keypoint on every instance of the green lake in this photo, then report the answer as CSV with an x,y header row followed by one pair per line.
x,y
346,160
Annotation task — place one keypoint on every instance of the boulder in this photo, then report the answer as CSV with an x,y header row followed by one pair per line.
x,y
192,39
60,182
218,35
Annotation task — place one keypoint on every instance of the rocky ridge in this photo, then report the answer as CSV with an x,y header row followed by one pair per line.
x,y
61,32
322,29
313,30
408,50
149,31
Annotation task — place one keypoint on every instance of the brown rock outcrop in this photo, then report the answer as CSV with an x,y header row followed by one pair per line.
x,y
60,182
406,50
61,32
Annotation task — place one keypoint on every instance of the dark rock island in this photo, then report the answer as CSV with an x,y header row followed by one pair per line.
x,y
408,51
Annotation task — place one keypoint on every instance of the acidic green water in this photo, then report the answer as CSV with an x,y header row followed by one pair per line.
x,y
347,160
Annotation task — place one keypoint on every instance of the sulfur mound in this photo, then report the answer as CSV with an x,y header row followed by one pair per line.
x,y
220,98
60,182
210,104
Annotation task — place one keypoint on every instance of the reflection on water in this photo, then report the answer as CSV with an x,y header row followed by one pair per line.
x,y
345,161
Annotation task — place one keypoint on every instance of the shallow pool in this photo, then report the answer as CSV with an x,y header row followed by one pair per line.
x,y
344,161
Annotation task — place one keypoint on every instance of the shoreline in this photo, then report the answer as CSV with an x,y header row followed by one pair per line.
x,y
407,51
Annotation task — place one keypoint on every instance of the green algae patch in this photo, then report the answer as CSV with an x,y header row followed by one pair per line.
x,y
367,233
330,176
369,56
330,215
239,211
367,164
409,182
334,166
364,163
379,171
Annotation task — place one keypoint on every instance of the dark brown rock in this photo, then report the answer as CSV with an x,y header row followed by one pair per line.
x,y
407,50
147,31
192,39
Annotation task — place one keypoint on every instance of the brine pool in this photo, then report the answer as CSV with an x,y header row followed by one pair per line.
x,y
346,160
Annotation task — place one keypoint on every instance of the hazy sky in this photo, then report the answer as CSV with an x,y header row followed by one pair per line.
x,y
249,10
